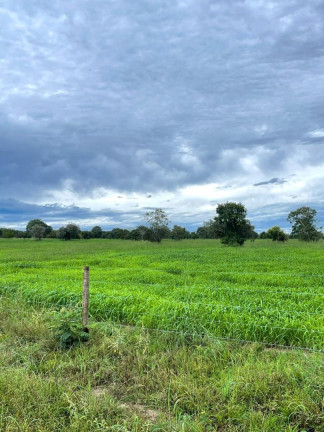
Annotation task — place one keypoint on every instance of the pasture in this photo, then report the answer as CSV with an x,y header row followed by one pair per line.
x,y
169,329
263,292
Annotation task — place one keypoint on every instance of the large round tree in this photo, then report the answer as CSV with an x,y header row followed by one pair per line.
x,y
304,224
233,227
47,228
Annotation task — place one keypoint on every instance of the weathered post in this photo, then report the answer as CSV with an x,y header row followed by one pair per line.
x,y
85,299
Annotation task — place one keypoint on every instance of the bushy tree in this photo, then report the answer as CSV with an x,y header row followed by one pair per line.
x,y
202,232
139,233
211,229
194,235
69,232
232,222
96,232
142,231
52,235
207,231
118,233
179,233
158,225
86,235
20,234
263,235
63,234
304,224
37,231
277,234
7,233
47,228
253,235
74,230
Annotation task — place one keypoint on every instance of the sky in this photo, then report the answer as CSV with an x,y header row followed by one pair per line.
x,y
111,108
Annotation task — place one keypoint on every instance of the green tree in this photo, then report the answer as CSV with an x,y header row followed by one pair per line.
x,y
20,234
158,224
211,230
263,235
63,234
194,235
37,231
86,235
31,223
277,234
7,233
139,233
304,224
179,233
253,235
96,232
69,232
52,235
202,232
118,233
74,230
142,231
233,224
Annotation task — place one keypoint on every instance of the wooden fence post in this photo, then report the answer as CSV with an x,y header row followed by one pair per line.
x,y
85,299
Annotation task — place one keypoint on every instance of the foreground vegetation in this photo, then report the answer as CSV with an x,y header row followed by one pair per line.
x,y
266,292
133,380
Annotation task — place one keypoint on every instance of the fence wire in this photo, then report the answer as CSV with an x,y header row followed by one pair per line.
x,y
220,308
208,337
188,318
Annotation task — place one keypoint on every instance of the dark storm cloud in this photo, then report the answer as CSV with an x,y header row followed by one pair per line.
x,y
275,180
138,95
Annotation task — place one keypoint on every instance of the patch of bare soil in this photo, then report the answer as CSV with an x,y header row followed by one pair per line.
x,y
141,410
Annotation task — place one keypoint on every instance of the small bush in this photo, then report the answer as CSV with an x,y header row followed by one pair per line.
x,y
68,328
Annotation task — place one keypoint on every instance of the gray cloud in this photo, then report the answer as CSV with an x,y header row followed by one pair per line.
x,y
140,95
16,213
275,180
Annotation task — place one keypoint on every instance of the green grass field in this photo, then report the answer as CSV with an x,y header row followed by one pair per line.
x,y
266,292
134,379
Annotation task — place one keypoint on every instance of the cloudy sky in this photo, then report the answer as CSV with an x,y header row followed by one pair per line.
x,y
109,108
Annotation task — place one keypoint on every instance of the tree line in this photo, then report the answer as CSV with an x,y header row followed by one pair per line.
x,y
230,225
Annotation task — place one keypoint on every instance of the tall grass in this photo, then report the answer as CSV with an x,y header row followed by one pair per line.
x,y
264,292
128,379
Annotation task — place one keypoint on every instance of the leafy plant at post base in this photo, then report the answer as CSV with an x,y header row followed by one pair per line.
x,y
68,328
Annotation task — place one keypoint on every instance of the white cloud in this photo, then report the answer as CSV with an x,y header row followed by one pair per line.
x,y
261,130
317,133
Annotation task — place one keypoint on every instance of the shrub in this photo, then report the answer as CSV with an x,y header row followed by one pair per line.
x,y
68,328
277,234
